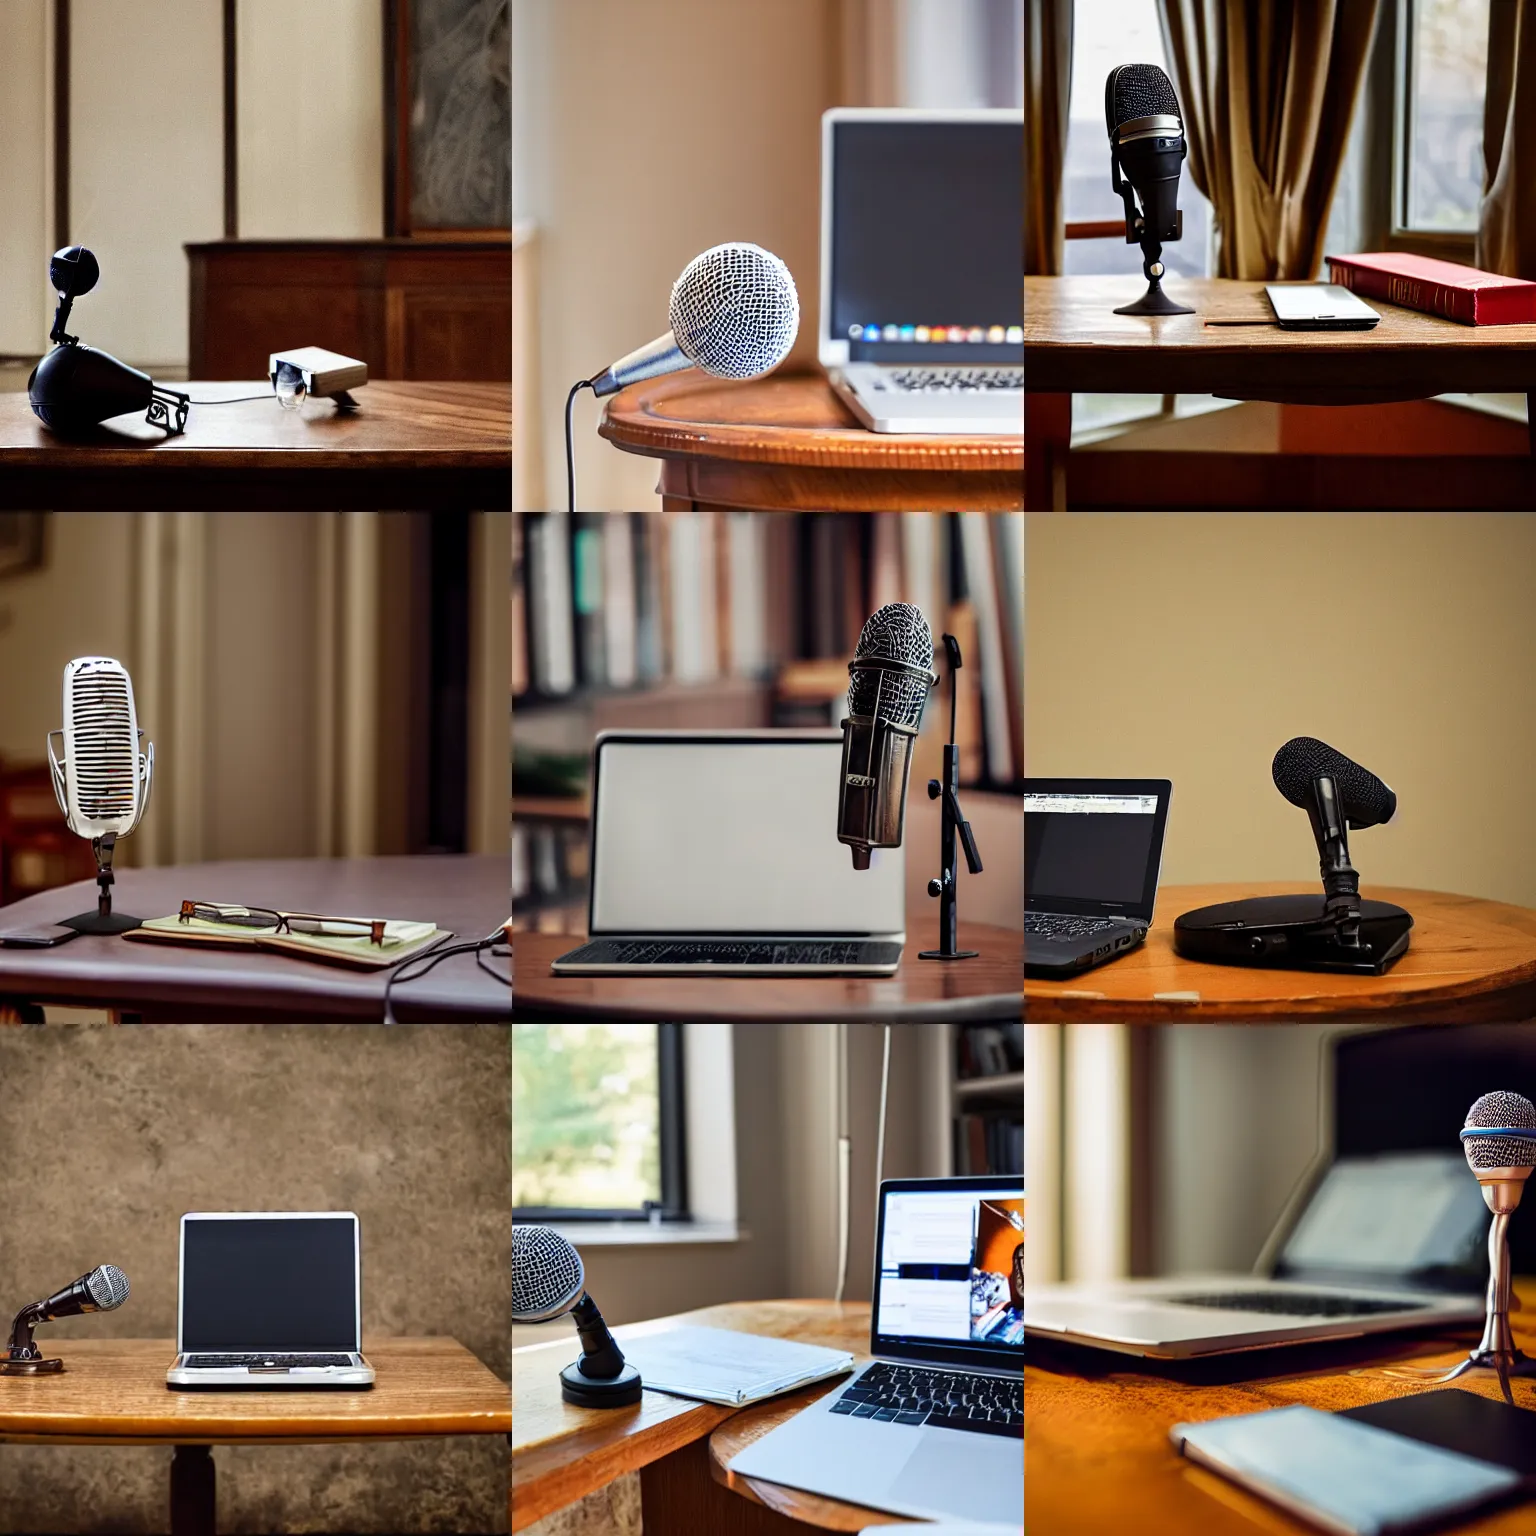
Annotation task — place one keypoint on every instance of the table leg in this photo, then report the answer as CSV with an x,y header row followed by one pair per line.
x,y
192,1491
1530,419
679,1497
1047,442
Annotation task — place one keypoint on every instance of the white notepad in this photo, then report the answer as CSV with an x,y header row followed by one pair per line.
x,y
720,1365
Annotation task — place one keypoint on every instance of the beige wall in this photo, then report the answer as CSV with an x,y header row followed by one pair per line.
x,y
1192,646
25,193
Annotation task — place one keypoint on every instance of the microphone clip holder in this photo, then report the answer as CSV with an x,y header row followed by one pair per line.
x,y
952,824
22,1356
602,1378
1154,301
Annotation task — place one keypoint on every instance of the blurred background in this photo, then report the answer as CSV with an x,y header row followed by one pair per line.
x,y
647,132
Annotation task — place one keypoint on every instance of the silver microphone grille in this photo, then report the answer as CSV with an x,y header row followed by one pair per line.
x,y
1140,90
735,312
1501,1111
106,758
896,632
108,1286
547,1275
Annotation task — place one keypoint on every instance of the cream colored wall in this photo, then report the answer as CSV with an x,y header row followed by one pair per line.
x,y
1192,645
25,198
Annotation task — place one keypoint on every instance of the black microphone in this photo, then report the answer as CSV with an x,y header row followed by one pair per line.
x,y
891,673
1366,801
102,1290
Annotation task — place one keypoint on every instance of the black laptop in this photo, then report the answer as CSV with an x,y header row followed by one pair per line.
x,y
1092,848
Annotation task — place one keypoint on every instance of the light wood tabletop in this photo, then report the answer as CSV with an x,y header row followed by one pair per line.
x,y
1468,961
113,1392
1098,1458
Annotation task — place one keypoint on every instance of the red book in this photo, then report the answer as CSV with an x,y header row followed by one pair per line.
x,y
1437,287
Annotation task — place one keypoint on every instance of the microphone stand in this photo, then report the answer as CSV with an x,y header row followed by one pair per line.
x,y
22,1356
953,821
1154,301
103,919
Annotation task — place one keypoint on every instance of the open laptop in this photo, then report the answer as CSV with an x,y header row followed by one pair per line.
x,y
922,290
1378,1243
1092,851
269,1299
716,853
934,1425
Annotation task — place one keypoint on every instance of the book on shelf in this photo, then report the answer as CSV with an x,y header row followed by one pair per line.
x,y
989,1050
989,1142
1436,287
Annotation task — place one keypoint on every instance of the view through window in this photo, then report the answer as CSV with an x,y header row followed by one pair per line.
x,y
1443,126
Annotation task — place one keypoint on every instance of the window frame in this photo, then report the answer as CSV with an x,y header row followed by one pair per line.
x,y
672,1123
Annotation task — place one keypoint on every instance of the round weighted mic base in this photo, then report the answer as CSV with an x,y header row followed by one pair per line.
x,y
98,922
590,1392
1154,301
49,1367
947,954
1292,933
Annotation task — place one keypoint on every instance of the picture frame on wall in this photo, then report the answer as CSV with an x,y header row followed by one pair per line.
x,y
21,542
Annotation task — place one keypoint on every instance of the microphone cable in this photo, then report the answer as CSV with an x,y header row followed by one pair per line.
x,y
570,455
497,943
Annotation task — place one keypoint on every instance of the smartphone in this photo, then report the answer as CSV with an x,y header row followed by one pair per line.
x,y
1319,307
41,936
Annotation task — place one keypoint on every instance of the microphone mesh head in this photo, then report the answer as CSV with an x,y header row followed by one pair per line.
x,y
1140,90
1366,800
108,1286
1507,1111
547,1275
735,312
896,632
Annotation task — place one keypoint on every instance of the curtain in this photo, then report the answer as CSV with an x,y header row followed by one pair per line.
x,y
1047,95
1506,224
1268,89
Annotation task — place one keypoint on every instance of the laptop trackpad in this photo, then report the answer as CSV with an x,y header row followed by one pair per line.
x,y
957,1472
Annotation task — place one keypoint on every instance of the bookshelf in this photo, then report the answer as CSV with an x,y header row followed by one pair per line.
x,y
986,1098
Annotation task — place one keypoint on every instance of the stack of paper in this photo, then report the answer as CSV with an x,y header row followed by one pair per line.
x,y
720,1365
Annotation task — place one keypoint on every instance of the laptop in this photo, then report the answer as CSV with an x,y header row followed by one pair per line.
x,y
269,1299
716,853
1092,850
934,1425
1383,1243
922,290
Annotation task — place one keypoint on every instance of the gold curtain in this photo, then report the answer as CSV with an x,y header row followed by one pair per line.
x,y
1506,223
1268,89
1047,95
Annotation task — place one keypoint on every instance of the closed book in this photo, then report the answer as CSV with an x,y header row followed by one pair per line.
x,y
1437,287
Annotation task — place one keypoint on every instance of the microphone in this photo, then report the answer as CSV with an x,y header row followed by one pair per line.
x,y
549,1280
1365,800
734,313
891,673
104,1289
102,778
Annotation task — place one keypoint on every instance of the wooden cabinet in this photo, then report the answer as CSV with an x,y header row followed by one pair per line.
x,y
410,309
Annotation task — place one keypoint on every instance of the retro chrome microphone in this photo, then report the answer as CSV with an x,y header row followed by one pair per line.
x,y
102,1290
102,779
548,1281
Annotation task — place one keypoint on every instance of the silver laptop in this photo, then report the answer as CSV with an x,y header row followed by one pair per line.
x,y
1377,1244
934,1426
716,853
922,287
269,1299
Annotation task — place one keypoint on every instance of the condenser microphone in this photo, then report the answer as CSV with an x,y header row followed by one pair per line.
x,y
102,1290
101,773
1363,798
549,1280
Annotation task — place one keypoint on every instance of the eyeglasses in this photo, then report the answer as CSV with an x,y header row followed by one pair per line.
x,y
265,918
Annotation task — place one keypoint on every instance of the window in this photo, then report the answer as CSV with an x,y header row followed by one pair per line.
x,y
597,1122
1441,84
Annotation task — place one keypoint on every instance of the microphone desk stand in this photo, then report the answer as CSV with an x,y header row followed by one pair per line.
x,y
946,886
22,1357
103,919
1154,301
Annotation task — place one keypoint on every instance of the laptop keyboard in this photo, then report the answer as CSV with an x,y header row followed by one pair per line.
x,y
1063,925
1295,1303
917,380
733,952
905,1394
209,1362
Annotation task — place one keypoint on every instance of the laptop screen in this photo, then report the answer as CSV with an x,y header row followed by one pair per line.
x,y
1093,846
949,1275
927,238
700,835
255,1282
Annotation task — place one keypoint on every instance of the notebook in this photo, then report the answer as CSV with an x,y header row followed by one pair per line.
x,y
401,940
720,1365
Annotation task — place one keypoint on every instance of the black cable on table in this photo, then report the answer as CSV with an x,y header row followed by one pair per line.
x,y
570,456
495,942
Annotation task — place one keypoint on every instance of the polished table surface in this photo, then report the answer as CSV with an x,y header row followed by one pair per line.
x,y
113,1392
1468,960
788,443
1098,1459
468,895
409,445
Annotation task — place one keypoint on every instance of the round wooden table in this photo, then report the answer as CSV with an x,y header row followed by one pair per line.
x,y
1468,961
787,443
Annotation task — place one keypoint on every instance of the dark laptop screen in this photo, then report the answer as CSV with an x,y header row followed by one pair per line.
x,y
928,241
269,1282
1093,848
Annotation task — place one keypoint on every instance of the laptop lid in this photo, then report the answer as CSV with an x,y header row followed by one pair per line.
x,y
949,1272
922,237
269,1280
1093,847
730,833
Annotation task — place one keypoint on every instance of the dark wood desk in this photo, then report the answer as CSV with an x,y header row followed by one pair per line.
x,y
113,1392
787,443
187,983
1097,1458
409,446
1468,961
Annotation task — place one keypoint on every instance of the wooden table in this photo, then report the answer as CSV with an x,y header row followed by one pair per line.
x,y
1468,961
1097,1456
170,983
787,443
409,446
113,1392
